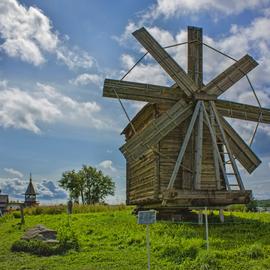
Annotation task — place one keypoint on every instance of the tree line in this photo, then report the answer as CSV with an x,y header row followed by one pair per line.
x,y
88,185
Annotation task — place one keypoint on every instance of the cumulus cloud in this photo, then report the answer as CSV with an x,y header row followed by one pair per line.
x,y
46,189
87,78
13,172
28,34
74,58
108,165
45,104
175,8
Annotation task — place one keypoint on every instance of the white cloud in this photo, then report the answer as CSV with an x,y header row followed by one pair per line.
x,y
46,189
14,172
30,109
22,110
87,78
177,8
74,58
28,34
108,165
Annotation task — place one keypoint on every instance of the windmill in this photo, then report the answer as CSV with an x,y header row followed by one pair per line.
x,y
180,150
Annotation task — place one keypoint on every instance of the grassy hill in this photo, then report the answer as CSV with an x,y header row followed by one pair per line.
x,y
111,239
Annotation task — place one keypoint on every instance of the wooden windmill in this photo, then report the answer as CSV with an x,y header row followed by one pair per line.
x,y
180,150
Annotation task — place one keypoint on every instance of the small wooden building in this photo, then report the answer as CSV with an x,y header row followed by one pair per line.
x,y
30,195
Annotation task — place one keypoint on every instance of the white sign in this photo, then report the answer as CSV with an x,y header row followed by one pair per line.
x,y
147,217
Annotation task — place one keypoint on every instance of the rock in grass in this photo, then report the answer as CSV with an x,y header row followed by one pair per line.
x,y
41,233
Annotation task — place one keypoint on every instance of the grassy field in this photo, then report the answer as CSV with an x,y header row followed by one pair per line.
x,y
111,239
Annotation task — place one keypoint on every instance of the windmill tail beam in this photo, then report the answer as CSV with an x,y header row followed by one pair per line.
x,y
166,61
230,76
140,91
241,151
243,111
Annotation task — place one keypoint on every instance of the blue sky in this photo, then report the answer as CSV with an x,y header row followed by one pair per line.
x,y
54,56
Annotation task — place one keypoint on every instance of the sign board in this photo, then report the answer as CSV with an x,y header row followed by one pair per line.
x,y
147,217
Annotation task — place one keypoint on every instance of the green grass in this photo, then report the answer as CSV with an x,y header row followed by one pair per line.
x,y
111,239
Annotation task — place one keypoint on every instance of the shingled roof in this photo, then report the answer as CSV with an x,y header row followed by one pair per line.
x,y
30,189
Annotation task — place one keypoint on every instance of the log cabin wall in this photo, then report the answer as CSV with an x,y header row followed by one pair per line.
x,y
149,176
142,174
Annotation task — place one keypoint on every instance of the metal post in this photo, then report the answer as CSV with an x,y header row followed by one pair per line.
x,y
206,229
148,245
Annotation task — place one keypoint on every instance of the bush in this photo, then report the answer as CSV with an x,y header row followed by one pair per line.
x,y
16,214
36,247
68,238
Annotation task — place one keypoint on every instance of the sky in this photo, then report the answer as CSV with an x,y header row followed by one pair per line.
x,y
55,55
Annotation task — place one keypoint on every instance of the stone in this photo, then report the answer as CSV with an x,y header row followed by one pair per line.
x,y
41,233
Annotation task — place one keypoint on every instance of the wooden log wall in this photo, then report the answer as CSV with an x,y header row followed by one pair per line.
x,y
149,176
142,174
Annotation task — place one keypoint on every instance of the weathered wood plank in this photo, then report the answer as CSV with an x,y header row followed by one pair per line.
x,y
213,137
184,145
140,91
240,149
243,111
166,61
156,130
195,55
198,150
234,166
230,76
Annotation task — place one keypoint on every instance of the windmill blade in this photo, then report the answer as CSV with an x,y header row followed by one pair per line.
x,y
230,76
243,111
140,91
166,61
156,130
241,151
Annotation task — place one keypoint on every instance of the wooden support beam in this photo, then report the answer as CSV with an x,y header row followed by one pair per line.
x,y
183,149
184,146
230,76
239,148
213,137
156,130
234,166
243,111
141,91
198,150
195,55
216,164
166,61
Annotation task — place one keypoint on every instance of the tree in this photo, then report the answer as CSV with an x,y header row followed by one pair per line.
x,y
88,183
97,185
74,184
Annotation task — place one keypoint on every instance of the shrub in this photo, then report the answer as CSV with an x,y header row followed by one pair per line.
x,y
36,247
67,238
